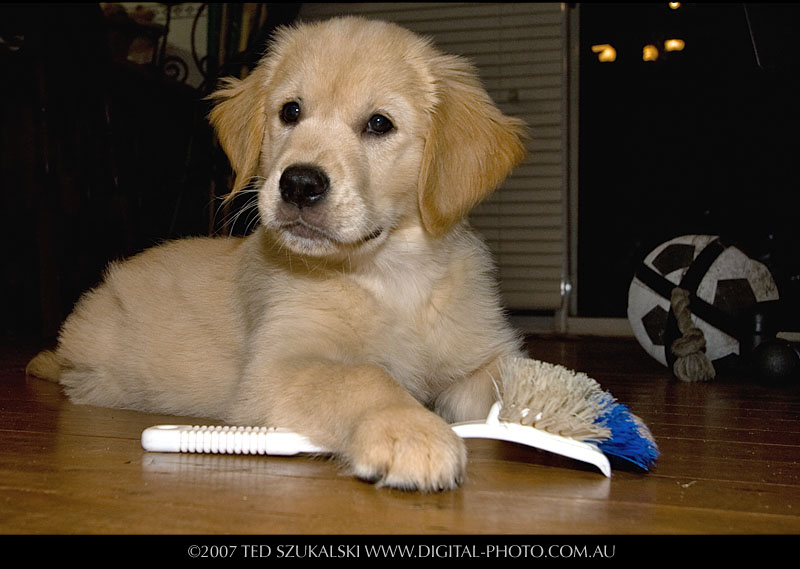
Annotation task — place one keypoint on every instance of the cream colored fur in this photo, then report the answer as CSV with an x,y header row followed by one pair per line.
x,y
353,329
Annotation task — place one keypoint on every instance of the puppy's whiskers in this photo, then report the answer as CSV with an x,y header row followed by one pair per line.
x,y
232,216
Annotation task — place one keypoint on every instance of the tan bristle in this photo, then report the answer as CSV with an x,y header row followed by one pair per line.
x,y
552,398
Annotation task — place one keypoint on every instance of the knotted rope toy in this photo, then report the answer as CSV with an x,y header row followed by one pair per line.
x,y
691,362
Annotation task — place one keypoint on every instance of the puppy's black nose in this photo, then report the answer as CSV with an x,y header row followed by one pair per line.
x,y
303,185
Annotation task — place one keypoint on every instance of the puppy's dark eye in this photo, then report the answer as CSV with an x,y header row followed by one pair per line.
x,y
379,124
290,112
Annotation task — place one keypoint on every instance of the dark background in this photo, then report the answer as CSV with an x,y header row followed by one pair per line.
x,y
703,141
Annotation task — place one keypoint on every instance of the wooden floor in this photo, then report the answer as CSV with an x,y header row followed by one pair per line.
x,y
730,465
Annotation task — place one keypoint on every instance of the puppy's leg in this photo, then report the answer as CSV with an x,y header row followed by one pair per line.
x,y
470,398
364,416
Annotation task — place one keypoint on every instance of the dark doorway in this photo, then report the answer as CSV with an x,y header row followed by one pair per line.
x,y
700,140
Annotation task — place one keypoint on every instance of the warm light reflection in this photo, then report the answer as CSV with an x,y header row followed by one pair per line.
x,y
605,52
649,53
674,5
674,45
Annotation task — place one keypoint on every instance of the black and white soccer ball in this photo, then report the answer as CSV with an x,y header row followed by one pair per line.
x,y
725,284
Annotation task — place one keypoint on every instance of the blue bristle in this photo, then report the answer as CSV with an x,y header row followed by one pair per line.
x,y
630,439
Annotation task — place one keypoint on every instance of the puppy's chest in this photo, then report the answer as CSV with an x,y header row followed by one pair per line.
x,y
366,314
406,322
407,317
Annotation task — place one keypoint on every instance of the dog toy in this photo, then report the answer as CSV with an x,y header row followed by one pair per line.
x,y
689,302
540,405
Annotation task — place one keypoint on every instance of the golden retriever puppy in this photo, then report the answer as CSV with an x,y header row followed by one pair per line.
x,y
362,311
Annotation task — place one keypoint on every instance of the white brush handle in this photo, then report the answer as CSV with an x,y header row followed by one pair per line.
x,y
536,438
282,442
494,428
226,440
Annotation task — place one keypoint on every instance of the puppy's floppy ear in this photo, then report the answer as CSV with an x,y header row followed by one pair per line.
x,y
470,149
239,118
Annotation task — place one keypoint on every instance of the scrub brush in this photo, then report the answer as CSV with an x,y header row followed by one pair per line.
x,y
553,399
541,405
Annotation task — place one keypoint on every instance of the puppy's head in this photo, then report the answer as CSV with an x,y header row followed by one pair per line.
x,y
352,128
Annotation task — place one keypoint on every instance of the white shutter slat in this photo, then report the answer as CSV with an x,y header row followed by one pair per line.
x,y
518,49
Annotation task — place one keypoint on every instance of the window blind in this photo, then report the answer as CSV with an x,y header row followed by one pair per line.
x,y
519,50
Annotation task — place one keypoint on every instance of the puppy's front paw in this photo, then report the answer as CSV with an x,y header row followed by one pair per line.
x,y
408,448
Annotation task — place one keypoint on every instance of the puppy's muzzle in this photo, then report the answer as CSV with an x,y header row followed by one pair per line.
x,y
303,185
